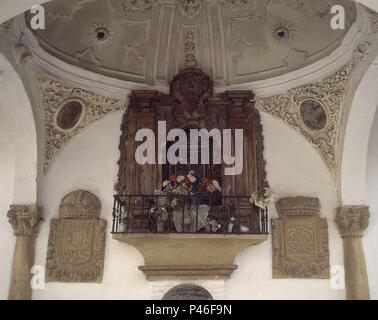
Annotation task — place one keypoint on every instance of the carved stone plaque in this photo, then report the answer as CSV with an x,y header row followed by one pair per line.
x,y
300,240
77,240
187,292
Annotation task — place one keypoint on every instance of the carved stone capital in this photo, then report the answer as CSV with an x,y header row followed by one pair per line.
x,y
25,219
352,221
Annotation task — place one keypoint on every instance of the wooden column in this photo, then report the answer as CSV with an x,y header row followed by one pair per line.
x,y
241,116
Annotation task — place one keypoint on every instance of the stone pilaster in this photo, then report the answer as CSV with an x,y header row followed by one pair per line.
x,y
352,221
25,221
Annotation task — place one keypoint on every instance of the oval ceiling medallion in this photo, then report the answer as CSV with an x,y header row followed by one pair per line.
x,y
313,114
69,115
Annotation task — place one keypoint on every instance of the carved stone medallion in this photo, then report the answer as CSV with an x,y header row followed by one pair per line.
x,y
187,292
77,240
300,240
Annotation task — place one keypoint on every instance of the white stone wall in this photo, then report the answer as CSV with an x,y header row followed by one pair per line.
x,y
370,241
89,162
7,166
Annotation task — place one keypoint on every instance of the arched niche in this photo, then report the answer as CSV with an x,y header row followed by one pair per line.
x,y
187,292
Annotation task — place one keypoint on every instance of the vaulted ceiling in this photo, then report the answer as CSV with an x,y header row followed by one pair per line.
x,y
149,41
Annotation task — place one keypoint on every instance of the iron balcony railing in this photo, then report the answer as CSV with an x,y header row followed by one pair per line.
x,y
172,213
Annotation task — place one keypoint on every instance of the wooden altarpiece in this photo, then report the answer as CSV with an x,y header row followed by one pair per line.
x,y
191,104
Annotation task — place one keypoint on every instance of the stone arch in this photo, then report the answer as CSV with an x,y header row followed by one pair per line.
x,y
357,133
187,292
18,114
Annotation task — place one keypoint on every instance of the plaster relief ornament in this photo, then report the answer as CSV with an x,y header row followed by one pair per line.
x,y
67,111
283,31
190,50
239,4
316,110
373,21
138,6
100,35
190,8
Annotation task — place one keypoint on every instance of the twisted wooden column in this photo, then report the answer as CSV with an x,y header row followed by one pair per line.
x,y
352,221
25,221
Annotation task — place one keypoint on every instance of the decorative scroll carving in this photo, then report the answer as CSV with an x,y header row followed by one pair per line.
x,y
373,20
191,88
25,219
53,95
191,8
139,6
352,221
329,93
190,50
77,240
229,35
300,240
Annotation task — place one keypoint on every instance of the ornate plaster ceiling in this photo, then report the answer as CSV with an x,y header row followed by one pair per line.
x,y
149,41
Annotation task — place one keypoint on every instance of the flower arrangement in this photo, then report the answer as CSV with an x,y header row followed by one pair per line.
x,y
190,185
263,199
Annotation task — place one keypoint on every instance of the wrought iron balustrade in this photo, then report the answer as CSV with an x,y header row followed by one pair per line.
x,y
173,213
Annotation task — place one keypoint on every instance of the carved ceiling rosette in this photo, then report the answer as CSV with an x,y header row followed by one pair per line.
x,y
67,111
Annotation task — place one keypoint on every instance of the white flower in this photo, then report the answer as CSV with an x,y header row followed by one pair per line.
x,y
180,178
190,174
253,197
174,203
216,185
192,179
165,183
211,188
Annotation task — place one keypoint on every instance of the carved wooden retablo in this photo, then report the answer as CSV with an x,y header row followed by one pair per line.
x,y
300,240
77,240
191,104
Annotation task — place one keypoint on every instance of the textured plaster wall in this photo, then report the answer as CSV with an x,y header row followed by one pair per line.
x,y
370,240
7,166
89,162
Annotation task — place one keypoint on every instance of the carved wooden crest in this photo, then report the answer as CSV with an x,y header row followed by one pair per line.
x,y
191,88
77,240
